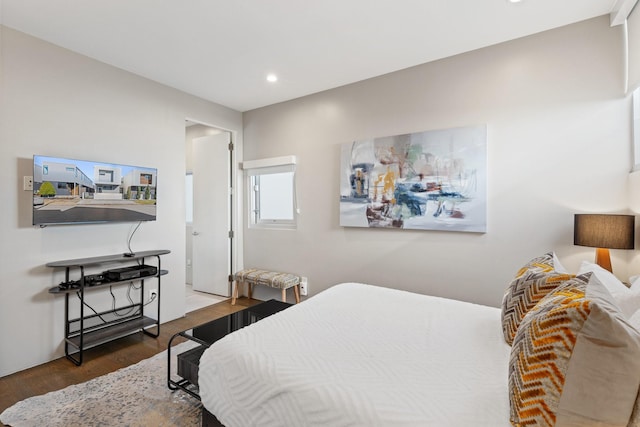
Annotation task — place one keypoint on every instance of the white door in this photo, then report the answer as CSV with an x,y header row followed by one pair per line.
x,y
211,261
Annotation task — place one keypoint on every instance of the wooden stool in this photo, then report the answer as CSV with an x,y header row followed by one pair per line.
x,y
273,279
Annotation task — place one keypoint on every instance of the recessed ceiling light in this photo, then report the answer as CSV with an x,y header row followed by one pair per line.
x,y
515,1
272,78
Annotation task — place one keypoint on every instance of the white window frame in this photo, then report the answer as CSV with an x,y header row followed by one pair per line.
x,y
253,169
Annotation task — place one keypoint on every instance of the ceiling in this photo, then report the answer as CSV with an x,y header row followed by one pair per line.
x,y
222,50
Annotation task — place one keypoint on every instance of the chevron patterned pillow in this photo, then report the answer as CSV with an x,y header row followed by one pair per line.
x,y
574,361
532,282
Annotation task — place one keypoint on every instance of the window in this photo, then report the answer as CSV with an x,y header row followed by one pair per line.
x,y
272,197
146,179
272,201
105,175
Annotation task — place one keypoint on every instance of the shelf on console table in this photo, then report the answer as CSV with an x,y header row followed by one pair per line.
x,y
106,259
58,290
95,329
119,330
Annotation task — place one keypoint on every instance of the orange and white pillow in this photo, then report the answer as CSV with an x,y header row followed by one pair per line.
x,y
574,360
532,282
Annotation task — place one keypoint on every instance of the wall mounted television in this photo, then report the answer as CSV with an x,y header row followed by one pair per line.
x,y
69,191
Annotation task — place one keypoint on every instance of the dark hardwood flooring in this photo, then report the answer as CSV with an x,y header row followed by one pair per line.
x,y
106,358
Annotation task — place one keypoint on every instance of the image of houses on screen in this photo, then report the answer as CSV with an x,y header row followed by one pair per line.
x,y
70,191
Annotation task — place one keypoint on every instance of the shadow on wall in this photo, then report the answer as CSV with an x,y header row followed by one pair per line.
x,y
24,203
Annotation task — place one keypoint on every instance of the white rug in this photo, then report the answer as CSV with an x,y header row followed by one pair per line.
x,y
133,396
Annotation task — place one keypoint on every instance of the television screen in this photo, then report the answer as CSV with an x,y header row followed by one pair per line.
x,y
68,191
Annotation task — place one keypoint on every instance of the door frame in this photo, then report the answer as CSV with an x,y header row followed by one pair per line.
x,y
235,195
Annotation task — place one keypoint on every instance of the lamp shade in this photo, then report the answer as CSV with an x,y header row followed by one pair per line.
x,y
604,231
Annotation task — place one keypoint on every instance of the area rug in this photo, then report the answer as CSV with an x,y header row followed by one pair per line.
x,y
133,396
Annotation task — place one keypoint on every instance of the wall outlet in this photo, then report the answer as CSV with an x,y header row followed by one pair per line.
x,y
27,183
153,294
304,286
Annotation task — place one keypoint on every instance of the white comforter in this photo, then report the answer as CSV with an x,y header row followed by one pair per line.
x,y
361,355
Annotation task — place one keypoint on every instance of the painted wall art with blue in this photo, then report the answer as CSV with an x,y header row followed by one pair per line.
x,y
431,180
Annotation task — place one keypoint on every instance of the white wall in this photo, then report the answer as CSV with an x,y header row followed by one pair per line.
x,y
55,102
558,144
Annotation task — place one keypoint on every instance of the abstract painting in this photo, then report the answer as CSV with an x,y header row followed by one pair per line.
x,y
431,180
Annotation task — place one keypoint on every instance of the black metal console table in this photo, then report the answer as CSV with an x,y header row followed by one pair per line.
x,y
90,330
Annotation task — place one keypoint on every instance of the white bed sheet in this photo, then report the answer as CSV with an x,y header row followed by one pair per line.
x,y
361,355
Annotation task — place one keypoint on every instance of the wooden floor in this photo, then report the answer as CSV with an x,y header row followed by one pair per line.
x,y
106,358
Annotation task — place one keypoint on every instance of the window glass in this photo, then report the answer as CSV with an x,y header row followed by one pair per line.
x,y
275,196
272,196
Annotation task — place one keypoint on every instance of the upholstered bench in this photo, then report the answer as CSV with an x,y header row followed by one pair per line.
x,y
273,279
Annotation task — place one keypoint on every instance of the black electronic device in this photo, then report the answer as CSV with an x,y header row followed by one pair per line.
x,y
71,284
94,279
128,273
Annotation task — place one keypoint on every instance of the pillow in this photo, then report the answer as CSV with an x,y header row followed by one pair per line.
x,y
532,282
627,298
630,302
575,361
611,282
557,266
634,320
635,416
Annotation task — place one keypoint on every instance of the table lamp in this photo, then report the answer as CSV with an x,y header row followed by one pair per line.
x,y
604,232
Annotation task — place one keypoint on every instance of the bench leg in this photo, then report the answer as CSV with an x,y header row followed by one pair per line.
x,y
284,295
296,293
250,290
234,294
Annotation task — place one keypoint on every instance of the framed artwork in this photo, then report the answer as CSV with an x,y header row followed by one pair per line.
x,y
431,180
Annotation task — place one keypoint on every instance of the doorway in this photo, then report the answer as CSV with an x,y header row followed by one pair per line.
x,y
208,230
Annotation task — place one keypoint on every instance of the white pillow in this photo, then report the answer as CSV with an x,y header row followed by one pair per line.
x,y
559,267
628,299
611,282
631,304
634,297
634,320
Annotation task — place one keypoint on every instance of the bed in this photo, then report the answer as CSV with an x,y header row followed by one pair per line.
x,y
562,350
361,355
